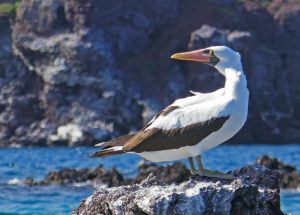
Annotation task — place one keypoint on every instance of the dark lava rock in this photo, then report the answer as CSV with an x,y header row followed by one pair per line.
x,y
98,177
289,176
275,164
110,178
176,173
255,191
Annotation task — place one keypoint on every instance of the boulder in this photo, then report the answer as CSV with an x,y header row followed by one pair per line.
x,y
176,172
254,191
98,177
289,176
110,178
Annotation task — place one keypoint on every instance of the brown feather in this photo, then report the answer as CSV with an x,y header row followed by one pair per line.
x,y
107,149
156,139
107,152
120,141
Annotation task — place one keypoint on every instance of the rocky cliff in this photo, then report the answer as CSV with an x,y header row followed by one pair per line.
x,y
255,191
77,72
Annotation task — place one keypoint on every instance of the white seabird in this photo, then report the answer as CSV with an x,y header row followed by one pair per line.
x,y
191,126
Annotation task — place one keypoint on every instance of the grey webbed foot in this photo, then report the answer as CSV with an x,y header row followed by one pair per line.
x,y
207,173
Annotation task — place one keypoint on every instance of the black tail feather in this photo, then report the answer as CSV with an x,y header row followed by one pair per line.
x,y
107,152
120,141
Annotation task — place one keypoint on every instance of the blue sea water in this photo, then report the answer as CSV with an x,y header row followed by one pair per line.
x,y
19,163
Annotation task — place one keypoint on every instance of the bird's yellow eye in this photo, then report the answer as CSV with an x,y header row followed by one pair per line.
x,y
211,52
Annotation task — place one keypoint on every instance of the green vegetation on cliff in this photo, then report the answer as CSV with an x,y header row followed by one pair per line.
x,y
9,7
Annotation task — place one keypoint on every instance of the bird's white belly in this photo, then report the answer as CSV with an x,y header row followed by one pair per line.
x,y
228,130
166,155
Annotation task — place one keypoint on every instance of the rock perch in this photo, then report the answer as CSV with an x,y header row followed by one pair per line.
x,y
254,191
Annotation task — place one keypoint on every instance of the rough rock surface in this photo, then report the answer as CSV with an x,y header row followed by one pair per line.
x,y
111,178
255,191
289,176
176,173
76,72
98,177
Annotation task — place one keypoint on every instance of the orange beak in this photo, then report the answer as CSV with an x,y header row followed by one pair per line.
x,y
196,55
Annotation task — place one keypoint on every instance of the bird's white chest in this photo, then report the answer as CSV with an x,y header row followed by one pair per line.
x,y
235,122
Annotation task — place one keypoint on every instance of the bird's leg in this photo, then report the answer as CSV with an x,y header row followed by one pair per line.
x,y
193,169
211,173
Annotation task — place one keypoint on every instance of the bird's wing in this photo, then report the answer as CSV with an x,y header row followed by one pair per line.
x,y
197,98
185,125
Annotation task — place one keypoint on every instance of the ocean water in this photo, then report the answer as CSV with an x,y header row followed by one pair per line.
x,y
18,163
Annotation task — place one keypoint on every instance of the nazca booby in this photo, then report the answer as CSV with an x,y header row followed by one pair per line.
x,y
190,126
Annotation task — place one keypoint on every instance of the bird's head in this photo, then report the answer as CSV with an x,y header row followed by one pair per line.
x,y
220,57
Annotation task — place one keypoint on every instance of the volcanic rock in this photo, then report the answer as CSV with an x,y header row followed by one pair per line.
x,y
254,191
98,177
110,178
172,173
80,72
289,176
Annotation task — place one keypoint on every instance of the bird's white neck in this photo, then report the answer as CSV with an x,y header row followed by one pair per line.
x,y
236,82
231,68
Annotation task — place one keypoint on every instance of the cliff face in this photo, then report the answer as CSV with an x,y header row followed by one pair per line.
x,y
255,191
79,72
